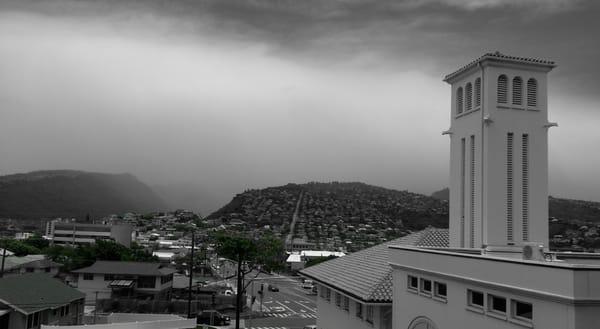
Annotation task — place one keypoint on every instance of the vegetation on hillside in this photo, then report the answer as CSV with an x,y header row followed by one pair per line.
x,y
73,194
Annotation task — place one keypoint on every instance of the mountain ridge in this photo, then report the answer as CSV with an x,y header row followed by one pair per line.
x,y
73,193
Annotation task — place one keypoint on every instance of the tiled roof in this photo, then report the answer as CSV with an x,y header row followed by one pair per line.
x,y
501,57
131,268
29,293
366,274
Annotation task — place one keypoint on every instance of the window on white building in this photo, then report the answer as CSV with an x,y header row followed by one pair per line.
x,y
88,276
475,298
502,89
426,286
477,92
468,97
346,304
338,299
369,316
328,294
413,283
517,96
522,310
459,100
496,304
440,290
532,92
359,310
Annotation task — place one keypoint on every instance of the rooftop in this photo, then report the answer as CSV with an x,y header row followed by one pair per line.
x,y
366,274
35,261
29,293
132,268
500,57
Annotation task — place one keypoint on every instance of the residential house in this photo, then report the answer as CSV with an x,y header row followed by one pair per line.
x,y
116,279
30,300
15,265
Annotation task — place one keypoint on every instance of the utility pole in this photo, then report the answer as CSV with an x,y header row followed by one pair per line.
x,y
191,276
96,307
3,258
240,289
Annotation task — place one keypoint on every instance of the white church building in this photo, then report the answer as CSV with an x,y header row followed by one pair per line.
x,y
495,269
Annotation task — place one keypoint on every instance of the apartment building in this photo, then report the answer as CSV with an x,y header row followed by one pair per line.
x,y
67,232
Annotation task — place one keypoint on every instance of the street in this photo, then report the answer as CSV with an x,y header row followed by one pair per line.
x,y
291,307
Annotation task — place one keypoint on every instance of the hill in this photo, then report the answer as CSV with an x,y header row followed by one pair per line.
x,y
332,215
69,193
570,210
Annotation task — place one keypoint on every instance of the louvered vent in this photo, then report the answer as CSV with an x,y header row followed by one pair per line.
x,y
525,185
532,92
478,92
502,89
517,91
509,187
472,196
459,100
463,164
469,97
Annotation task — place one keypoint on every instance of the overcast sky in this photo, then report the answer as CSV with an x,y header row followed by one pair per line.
x,y
236,94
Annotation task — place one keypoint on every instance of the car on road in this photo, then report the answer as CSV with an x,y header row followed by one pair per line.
x,y
310,326
213,317
273,288
307,284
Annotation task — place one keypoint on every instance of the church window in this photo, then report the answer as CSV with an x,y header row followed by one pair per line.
x,y
502,89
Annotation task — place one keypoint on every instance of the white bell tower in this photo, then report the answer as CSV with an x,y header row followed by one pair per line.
x,y
499,153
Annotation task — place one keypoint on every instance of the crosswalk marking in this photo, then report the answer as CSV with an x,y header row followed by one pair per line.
x,y
288,315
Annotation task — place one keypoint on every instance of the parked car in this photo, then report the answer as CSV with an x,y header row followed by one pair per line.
x,y
273,288
310,326
213,317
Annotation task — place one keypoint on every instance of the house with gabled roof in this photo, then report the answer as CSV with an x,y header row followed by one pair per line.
x,y
108,279
355,291
30,300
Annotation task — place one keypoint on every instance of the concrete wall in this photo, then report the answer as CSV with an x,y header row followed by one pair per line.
x,y
330,316
563,297
456,314
90,287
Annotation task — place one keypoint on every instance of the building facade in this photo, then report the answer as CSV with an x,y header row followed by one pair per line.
x,y
61,232
498,272
129,280
31,300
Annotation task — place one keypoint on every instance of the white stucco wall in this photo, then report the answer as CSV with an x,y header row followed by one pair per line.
x,y
490,159
563,297
330,316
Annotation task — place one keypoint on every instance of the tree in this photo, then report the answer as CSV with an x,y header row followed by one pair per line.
x,y
250,254
38,242
19,248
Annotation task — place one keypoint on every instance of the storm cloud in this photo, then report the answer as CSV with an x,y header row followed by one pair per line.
x,y
229,94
